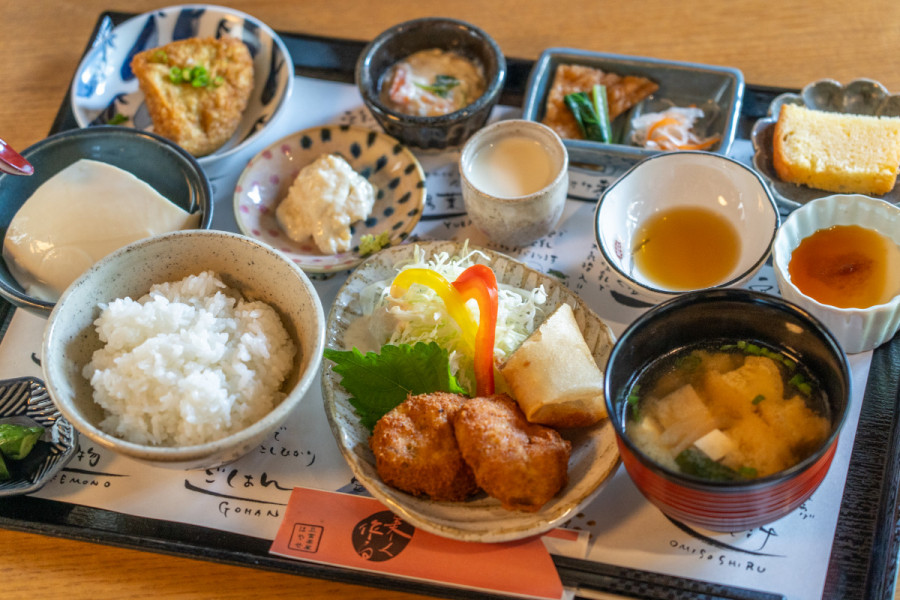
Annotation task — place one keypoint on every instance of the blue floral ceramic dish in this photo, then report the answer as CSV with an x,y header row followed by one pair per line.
x,y
389,165
859,97
25,401
105,90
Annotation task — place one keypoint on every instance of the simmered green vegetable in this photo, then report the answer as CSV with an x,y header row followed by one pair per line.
x,y
4,471
591,111
16,441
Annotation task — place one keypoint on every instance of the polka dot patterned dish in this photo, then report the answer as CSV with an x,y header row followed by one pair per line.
x,y
390,166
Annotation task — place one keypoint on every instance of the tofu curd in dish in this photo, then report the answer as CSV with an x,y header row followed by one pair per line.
x,y
326,198
77,217
431,83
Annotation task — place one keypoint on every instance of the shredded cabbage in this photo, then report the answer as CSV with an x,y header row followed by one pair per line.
x,y
421,316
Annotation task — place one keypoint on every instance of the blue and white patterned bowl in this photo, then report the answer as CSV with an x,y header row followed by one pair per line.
x,y
25,401
389,165
105,89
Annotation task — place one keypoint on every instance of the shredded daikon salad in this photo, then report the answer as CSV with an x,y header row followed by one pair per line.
x,y
420,315
671,129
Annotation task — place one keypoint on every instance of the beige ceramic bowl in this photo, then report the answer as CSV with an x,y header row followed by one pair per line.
x,y
857,329
679,180
258,271
514,219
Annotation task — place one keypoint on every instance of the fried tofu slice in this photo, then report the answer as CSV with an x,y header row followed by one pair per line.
x,y
199,118
623,92
416,451
522,464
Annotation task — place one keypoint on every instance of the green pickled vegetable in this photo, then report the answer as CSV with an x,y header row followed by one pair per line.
x,y
16,441
591,112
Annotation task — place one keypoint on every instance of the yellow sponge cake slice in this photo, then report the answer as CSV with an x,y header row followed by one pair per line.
x,y
837,152
196,90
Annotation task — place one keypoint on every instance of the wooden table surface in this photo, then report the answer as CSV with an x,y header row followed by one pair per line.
x,y
788,43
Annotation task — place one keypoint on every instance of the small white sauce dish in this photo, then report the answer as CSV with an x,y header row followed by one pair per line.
x,y
857,329
688,179
514,177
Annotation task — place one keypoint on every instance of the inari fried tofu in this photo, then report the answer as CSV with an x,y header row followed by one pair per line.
x,y
196,90
522,464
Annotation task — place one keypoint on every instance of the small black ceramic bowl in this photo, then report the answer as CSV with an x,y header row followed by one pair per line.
x,y
158,162
716,316
398,42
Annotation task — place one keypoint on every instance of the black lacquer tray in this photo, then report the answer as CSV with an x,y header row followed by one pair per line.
x,y
864,555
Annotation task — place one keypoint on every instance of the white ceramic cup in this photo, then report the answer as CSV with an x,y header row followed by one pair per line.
x,y
514,180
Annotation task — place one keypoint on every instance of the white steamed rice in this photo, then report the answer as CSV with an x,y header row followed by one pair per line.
x,y
189,363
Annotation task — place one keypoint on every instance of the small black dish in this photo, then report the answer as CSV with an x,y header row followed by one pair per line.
x,y
157,161
398,42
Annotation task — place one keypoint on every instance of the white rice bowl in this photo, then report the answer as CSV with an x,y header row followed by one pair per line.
x,y
189,363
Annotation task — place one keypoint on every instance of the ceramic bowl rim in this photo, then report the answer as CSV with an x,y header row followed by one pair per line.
x,y
780,263
23,300
646,287
196,451
743,296
253,137
368,84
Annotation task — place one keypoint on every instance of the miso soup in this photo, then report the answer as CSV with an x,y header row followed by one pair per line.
x,y
727,411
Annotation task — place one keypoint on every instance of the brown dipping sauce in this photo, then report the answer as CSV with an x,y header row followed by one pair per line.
x,y
847,266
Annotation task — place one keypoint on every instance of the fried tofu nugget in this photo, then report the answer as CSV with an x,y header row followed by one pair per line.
x,y
520,463
199,118
416,451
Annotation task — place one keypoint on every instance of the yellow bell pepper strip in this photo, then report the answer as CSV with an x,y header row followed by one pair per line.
x,y
453,300
480,283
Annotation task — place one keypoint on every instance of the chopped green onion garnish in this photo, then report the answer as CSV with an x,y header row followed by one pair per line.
x,y
117,119
441,86
759,398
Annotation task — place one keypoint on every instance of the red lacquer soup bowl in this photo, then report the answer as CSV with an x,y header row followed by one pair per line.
x,y
715,316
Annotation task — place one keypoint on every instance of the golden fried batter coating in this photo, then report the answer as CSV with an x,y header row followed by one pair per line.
x,y
520,463
200,119
416,451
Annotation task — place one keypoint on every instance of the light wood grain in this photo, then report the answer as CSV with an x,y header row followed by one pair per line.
x,y
788,43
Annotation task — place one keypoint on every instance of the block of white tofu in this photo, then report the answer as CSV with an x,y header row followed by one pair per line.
x,y
715,444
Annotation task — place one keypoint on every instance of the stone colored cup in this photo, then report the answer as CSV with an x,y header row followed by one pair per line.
x,y
509,218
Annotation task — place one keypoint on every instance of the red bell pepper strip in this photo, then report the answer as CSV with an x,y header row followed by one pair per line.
x,y
480,283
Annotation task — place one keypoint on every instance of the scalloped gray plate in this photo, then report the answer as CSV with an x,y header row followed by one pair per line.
x,y
595,455
860,97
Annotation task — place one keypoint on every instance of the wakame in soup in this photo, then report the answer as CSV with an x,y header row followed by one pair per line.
x,y
727,411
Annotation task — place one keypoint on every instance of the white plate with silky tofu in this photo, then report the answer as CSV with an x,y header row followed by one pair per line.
x,y
832,138
565,394
329,196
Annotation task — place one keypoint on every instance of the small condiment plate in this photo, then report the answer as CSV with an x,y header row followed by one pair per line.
x,y
386,163
717,90
25,401
859,97
594,457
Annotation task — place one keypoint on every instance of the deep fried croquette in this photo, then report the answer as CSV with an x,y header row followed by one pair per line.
x,y
416,451
520,463
200,116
